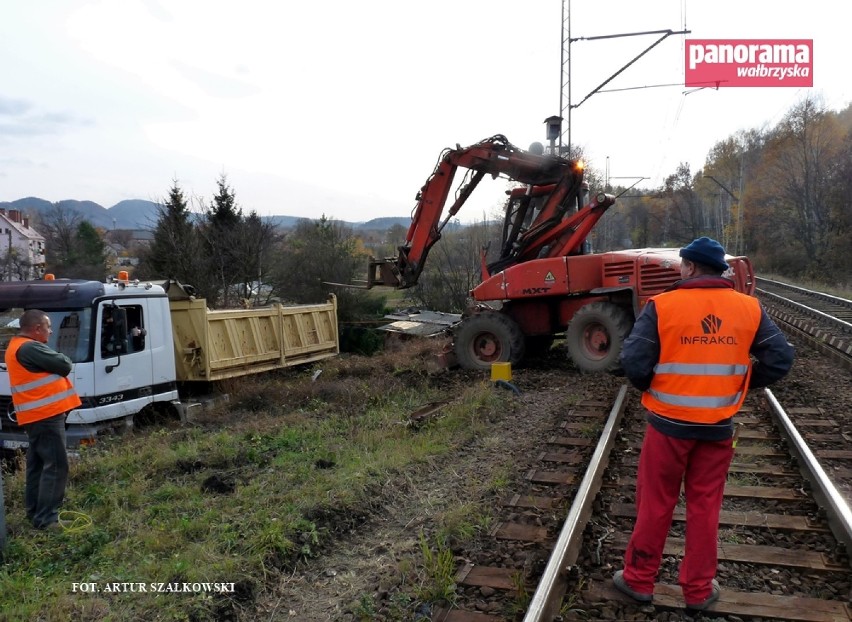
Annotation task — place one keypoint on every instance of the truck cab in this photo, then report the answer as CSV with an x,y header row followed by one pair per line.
x,y
113,333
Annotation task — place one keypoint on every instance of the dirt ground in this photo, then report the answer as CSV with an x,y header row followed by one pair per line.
x,y
365,562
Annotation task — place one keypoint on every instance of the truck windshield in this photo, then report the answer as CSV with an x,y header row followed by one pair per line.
x,y
71,332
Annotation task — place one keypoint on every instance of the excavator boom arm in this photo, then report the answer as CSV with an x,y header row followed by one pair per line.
x,y
494,156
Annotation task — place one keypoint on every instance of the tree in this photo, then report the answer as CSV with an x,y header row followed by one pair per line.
x,y
73,247
222,235
16,266
223,255
685,210
838,257
253,254
454,268
173,253
724,177
796,175
89,258
59,228
316,253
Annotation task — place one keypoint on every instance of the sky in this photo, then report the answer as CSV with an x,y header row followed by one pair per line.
x,y
340,108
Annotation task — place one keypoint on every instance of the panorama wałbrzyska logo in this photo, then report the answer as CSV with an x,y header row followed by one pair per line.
x,y
749,62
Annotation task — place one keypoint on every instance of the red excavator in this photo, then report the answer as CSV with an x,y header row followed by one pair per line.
x,y
544,281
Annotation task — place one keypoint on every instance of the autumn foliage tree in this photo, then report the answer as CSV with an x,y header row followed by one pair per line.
x,y
779,195
797,213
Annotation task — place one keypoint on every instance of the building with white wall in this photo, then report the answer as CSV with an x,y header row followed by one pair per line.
x,y
21,247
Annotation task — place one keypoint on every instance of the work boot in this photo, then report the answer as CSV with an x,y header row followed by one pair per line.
x,y
621,586
714,596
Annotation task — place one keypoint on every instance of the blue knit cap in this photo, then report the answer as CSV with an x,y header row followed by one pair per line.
x,y
706,251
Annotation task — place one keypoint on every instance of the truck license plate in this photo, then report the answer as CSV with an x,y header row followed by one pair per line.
x,y
14,444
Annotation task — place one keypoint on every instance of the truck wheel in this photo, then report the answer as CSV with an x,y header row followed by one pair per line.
x,y
596,334
487,338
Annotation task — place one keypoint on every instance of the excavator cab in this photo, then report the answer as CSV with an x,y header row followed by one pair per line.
x,y
523,221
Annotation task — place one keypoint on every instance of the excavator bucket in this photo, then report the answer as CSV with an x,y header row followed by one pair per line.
x,y
381,272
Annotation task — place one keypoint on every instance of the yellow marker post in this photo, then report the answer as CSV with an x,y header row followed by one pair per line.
x,y
501,371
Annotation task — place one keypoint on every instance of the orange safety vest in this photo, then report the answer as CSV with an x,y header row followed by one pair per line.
x,y
704,368
38,395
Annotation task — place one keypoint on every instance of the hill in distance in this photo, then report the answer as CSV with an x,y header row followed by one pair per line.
x,y
141,214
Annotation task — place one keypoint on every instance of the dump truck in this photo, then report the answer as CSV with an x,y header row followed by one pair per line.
x,y
147,347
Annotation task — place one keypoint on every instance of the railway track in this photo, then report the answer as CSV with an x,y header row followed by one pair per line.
x,y
783,540
779,558
824,321
832,306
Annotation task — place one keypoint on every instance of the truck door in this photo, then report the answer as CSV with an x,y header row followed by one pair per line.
x,y
123,360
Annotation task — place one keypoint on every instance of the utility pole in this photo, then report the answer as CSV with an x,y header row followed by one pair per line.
x,y
565,78
741,207
565,70
9,255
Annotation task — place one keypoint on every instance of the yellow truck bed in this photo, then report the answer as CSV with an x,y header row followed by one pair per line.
x,y
212,345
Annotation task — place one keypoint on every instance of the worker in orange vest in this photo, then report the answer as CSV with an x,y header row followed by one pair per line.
x,y
42,396
691,352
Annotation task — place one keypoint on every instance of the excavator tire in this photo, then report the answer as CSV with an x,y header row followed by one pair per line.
x,y
486,338
596,334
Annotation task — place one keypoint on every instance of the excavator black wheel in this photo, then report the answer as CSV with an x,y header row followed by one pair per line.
x,y
596,334
486,338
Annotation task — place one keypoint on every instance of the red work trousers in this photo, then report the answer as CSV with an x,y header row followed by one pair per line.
x,y
664,463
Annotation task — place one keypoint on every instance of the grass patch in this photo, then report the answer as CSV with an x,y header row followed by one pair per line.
x,y
236,498
439,569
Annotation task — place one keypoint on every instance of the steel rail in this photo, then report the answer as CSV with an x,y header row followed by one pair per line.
x,y
837,509
841,356
547,599
810,310
843,302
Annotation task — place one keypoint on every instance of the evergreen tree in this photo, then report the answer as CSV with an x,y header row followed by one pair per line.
x,y
89,257
173,251
222,235
224,212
